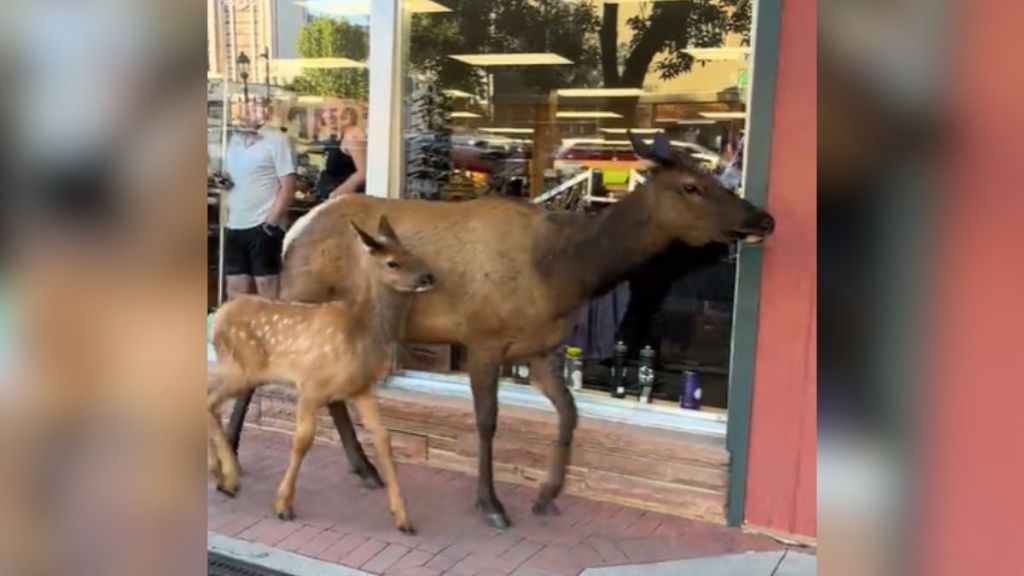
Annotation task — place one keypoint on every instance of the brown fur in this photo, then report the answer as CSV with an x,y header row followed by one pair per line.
x,y
510,278
331,352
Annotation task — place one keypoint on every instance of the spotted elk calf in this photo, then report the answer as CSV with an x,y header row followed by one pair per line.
x,y
333,351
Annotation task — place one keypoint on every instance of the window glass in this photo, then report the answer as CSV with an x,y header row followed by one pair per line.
x,y
519,98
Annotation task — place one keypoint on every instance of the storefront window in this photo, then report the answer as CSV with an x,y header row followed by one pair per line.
x,y
303,66
531,100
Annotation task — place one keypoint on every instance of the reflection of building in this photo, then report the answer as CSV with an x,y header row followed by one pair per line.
x,y
251,26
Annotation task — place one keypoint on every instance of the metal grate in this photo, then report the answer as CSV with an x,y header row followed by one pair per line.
x,y
221,565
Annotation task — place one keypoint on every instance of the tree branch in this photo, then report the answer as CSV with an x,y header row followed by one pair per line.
x,y
609,36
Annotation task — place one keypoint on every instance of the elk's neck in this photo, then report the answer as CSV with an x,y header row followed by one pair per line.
x,y
383,310
589,255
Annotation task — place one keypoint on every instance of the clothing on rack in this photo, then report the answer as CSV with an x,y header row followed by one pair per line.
x,y
598,323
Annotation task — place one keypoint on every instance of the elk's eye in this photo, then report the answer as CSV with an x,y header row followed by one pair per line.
x,y
691,189
392,264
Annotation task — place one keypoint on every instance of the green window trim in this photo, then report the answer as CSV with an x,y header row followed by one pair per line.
x,y
767,25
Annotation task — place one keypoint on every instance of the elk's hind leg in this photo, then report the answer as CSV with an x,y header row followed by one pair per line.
x,y
305,430
357,460
367,406
547,376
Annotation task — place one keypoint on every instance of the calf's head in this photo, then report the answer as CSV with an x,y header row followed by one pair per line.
x,y
394,266
691,204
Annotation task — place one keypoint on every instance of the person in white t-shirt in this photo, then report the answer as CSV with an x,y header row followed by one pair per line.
x,y
260,165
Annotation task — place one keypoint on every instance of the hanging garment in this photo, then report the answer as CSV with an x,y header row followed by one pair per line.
x,y
598,323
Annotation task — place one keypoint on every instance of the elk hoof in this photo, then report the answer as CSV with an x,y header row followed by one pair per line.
x,y
546,508
494,515
497,520
286,514
227,491
369,478
407,529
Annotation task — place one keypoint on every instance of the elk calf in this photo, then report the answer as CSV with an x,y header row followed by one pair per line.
x,y
330,352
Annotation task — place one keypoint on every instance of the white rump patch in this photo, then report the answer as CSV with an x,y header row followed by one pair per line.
x,y
300,226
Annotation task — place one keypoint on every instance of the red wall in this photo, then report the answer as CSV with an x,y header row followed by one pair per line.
x,y
781,479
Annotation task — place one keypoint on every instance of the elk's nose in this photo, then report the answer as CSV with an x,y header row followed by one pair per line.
x,y
427,280
767,224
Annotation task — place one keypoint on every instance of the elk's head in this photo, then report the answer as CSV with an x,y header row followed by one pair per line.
x,y
395,266
692,205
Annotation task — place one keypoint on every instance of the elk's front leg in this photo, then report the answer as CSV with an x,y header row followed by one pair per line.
x,y
367,406
549,379
358,462
305,429
483,377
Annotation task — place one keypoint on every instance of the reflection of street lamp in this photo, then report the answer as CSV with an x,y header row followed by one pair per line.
x,y
243,71
266,78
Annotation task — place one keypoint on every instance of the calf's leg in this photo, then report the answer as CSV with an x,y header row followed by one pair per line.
x,y
224,467
483,377
548,377
305,429
367,406
357,459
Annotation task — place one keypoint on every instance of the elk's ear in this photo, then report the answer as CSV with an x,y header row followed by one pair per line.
x,y
663,150
385,231
642,150
369,242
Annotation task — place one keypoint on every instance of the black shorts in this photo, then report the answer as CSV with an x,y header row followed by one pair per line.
x,y
253,251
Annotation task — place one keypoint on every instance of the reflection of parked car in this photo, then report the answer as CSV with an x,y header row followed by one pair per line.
x,y
490,155
615,158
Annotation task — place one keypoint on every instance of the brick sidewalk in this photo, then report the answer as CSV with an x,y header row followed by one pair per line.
x,y
338,521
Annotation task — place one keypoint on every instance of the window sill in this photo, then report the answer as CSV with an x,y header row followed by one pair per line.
x,y
589,405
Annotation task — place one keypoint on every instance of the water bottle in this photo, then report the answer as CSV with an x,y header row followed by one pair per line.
x,y
645,376
521,372
574,367
691,393
619,371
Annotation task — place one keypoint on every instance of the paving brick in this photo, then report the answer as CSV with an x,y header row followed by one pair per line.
x,y
433,545
320,542
608,550
414,559
556,560
520,553
386,558
237,523
269,531
646,549
299,538
414,571
363,553
342,548
442,562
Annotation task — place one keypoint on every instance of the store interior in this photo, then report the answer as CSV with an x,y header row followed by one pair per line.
x,y
497,100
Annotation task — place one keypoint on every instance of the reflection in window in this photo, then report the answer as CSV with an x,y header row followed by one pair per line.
x,y
532,99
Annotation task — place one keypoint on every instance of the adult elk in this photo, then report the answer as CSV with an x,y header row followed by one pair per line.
x,y
510,279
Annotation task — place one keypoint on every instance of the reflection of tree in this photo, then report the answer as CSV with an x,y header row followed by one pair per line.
x,y
329,38
663,29
476,26
666,29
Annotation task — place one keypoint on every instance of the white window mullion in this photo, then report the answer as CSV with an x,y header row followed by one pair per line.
x,y
384,124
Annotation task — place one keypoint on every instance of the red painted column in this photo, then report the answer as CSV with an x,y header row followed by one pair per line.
x,y
971,396
782,468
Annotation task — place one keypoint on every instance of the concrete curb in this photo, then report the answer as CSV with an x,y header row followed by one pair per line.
x,y
275,559
781,563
